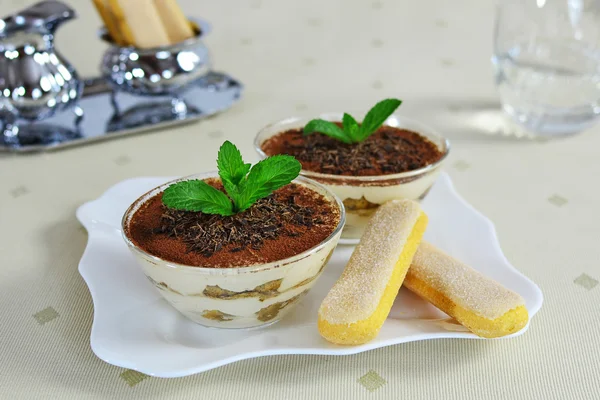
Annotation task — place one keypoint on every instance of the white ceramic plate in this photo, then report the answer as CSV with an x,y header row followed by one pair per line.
x,y
135,328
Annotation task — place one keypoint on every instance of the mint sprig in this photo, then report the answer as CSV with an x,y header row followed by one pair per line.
x,y
245,185
351,131
196,195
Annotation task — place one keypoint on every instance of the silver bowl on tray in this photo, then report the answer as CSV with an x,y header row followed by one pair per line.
x,y
159,71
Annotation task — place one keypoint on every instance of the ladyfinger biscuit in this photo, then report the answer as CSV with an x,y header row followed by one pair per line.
x,y
139,23
482,305
109,21
177,25
358,304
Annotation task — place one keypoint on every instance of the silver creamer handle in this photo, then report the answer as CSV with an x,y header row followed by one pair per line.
x,y
44,17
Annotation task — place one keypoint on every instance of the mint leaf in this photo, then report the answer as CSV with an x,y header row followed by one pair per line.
x,y
196,195
232,168
327,128
265,177
377,116
243,185
351,131
351,127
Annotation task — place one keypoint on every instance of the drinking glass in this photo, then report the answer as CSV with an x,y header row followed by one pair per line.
x,y
547,63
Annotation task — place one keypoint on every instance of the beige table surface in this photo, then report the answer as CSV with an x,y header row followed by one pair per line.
x,y
303,58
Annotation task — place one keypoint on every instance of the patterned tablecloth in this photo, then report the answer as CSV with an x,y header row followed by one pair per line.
x,y
301,58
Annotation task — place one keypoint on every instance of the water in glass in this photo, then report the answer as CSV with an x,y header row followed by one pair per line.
x,y
548,70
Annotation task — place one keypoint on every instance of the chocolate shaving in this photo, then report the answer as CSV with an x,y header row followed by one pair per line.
x,y
267,219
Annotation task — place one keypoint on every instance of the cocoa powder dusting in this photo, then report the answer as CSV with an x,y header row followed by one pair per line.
x,y
291,220
388,151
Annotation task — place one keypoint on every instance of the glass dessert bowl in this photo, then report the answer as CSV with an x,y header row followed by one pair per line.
x,y
241,296
363,194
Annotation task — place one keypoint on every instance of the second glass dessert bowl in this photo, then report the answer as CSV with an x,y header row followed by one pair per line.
x,y
362,195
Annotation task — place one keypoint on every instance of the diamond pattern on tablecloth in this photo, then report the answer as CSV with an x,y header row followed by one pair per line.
x,y
557,200
46,315
19,191
586,281
376,43
133,377
462,165
122,160
314,22
372,381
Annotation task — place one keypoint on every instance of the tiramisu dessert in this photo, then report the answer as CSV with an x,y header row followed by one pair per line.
x,y
239,247
385,157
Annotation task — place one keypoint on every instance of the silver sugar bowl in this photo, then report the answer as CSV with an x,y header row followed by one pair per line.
x,y
35,79
159,71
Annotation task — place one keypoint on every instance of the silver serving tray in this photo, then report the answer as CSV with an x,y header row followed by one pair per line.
x,y
104,114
